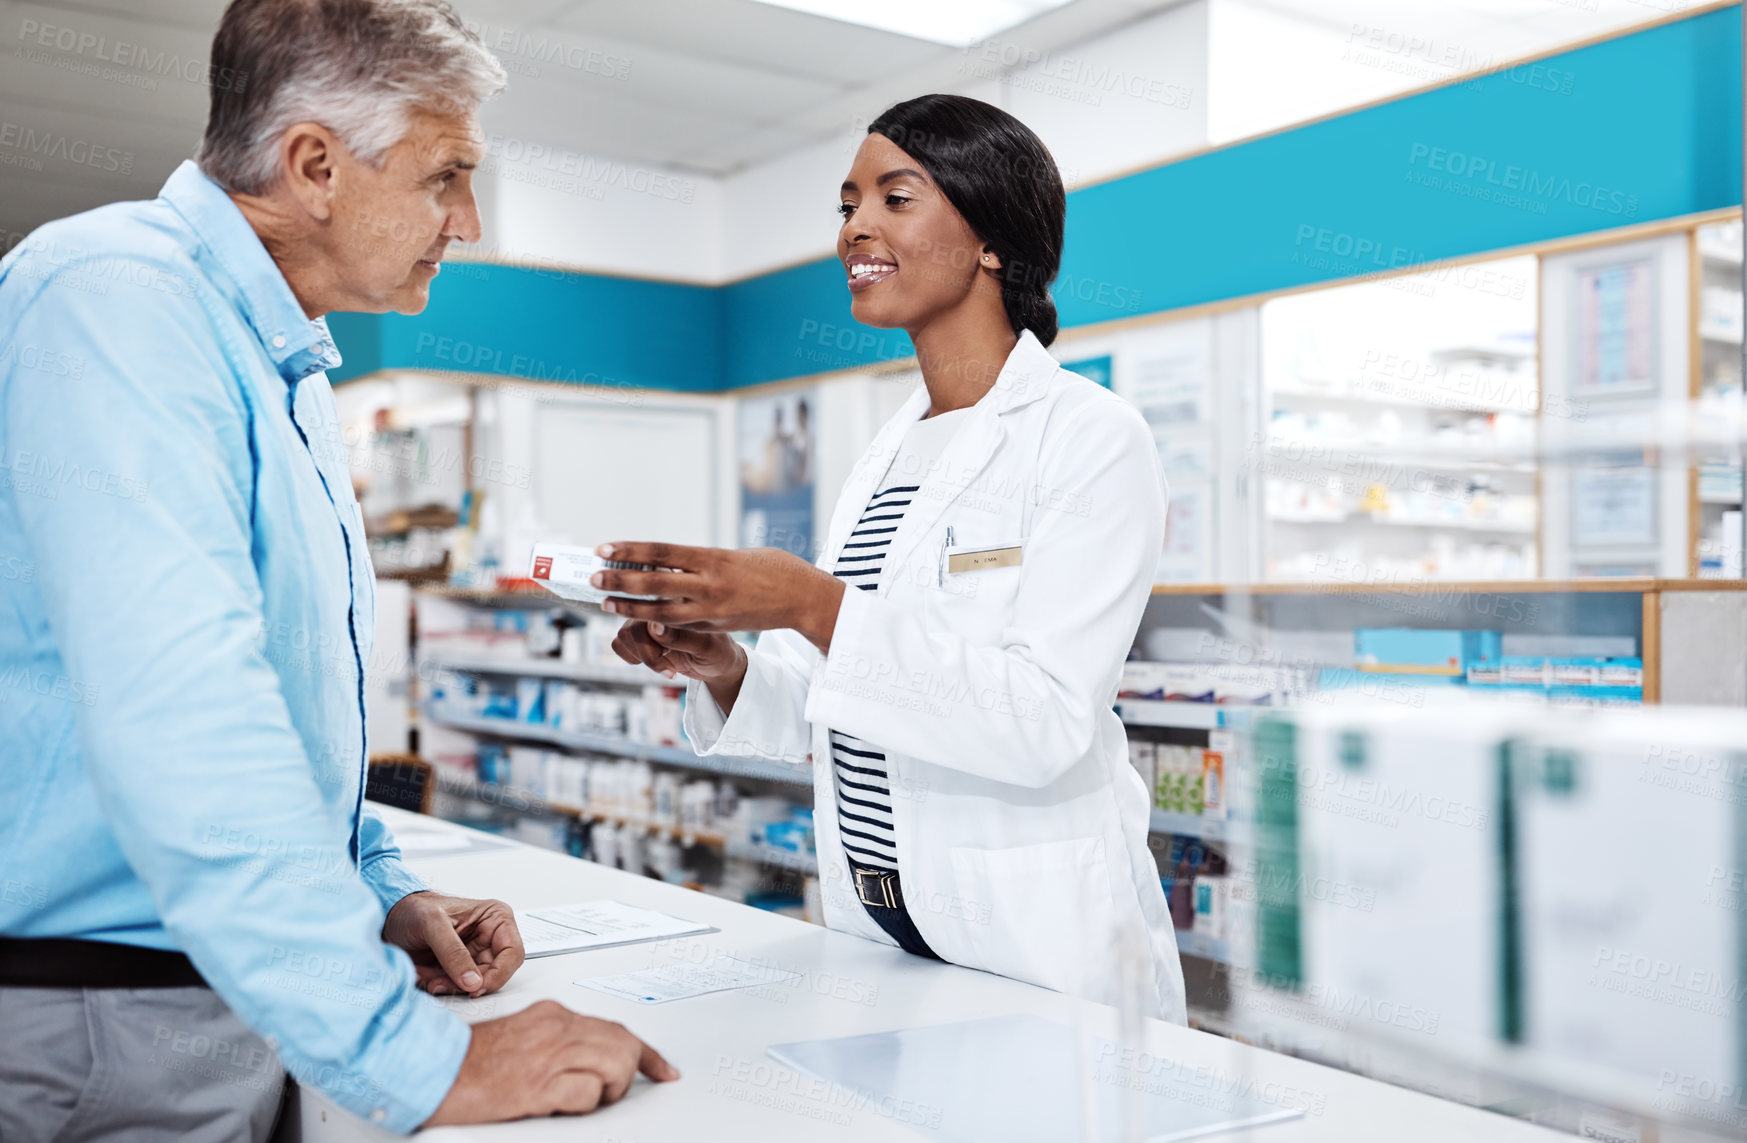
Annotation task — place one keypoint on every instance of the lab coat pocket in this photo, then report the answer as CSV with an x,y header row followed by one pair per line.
x,y
976,603
1050,912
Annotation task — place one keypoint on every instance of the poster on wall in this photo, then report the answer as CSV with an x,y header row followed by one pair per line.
x,y
1613,507
1616,329
1169,377
775,454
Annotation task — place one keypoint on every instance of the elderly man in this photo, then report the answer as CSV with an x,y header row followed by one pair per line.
x,y
191,888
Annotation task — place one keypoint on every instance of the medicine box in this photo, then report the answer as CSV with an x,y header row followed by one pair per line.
x,y
1629,876
565,571
1410,650
1399,882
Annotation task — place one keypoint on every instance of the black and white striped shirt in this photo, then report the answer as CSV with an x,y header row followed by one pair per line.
x,y
864,792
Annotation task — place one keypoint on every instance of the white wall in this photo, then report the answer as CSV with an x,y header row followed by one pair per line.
x,y
1109,104
1126,99
550,206
598,484
1270,68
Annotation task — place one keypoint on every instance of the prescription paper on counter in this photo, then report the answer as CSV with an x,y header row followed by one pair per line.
x,y
683,981
445,842
1011,1078
597,925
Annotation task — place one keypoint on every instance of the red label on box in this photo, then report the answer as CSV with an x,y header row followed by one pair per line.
x,y
543,567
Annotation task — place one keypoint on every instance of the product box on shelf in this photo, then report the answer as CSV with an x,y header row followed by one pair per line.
x,y
1212,903
1140,756
1412,650
1180,778
1251,684
1180,867
1574,680
1632,891
1396,864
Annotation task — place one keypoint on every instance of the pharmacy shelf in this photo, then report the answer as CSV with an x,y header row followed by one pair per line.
x,y
1201,826
1516,468
604,742
773,855
1192,943
1378,399
1385,454
1720,254
523,801
1502,527
624,674
1173,712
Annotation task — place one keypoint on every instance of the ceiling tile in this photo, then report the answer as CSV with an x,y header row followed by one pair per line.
x,y
757,35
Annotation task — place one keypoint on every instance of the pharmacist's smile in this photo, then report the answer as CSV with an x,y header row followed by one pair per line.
x,y
865,270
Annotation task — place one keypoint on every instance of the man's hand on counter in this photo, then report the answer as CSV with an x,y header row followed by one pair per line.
x,y
546,1060
458,945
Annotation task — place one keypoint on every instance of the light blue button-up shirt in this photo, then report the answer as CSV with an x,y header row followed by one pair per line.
x,y
186,607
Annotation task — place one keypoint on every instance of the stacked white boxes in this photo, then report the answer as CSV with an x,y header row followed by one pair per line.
x,y
1400,883
1632,900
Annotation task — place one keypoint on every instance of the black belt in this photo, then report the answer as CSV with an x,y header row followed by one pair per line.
x,y
882,895
61,962
877,887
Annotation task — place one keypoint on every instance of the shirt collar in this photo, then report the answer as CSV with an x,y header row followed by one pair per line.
x,y
297,345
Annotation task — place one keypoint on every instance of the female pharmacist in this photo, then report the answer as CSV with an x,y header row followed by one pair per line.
x,y
953,658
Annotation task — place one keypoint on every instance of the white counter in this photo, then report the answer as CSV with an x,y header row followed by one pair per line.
x,y
731,1092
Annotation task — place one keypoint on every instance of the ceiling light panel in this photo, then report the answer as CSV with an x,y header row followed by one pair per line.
x,y
958,24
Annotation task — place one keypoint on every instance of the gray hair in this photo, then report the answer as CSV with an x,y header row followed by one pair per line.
x,y
360,68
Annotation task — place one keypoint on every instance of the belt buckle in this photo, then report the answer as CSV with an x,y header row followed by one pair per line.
x,y
880,878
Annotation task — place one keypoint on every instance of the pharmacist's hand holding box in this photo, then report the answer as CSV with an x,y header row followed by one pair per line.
x,y
719,589
680,601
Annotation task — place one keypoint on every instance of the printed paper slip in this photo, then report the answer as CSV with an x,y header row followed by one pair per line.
x,y
597,925
682,981
437,843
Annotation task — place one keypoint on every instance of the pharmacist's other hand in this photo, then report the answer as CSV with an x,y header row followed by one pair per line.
x,y
707,656
722,589
458,945
546,1060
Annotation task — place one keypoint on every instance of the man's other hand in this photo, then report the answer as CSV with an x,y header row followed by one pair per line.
x,y
458,945
546,1060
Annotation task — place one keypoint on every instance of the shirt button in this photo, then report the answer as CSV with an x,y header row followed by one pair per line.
x,y
278,341
378,1116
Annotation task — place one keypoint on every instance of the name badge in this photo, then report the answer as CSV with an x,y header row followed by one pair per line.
x,y
983,560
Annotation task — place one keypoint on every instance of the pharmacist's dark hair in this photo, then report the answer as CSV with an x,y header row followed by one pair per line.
x,y
998,174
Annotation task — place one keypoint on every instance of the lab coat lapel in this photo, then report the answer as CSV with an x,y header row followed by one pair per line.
x,y
862,482
1024,378
964,459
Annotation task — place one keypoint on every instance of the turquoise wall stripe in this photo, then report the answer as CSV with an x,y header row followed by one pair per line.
x,y
796,321
1635,129
1643,127
547,325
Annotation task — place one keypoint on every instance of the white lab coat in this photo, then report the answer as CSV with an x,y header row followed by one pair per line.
x,y
1021,828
